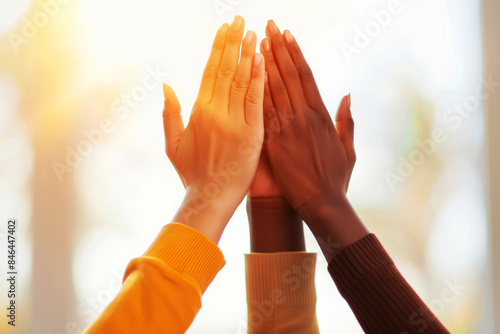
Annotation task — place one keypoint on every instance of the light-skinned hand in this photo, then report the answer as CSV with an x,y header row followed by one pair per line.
x,y
216,155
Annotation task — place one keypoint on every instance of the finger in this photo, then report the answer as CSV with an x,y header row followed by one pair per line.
x,y
244,73
286,66
278,89
255,95
229,63
268,100
272,126
307,81
172,121
344,125
210,73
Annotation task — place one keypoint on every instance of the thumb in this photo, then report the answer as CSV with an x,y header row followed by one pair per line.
x,y
172,121
344,124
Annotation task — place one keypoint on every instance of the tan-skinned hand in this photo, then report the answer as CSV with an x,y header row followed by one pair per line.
x,y
216,155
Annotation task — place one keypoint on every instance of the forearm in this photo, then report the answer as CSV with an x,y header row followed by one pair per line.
x,y
281,294
274,226
366,276
379,296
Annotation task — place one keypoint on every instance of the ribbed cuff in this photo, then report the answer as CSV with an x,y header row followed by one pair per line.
x,y
285,279
356,261
380,297
188,251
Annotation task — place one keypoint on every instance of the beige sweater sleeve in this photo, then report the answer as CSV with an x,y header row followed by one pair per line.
x,y
281,294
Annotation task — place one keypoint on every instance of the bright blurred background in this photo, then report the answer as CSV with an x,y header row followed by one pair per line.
x,y
83,168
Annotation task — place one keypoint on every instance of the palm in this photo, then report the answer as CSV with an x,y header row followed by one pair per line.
x,y
263,184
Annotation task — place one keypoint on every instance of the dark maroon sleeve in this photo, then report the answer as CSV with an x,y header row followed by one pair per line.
x,y
379,296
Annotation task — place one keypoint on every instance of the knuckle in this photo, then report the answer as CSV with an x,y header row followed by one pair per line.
x,y
247,52
350,124
253,97
279,87
209,73
272,124
233,39
290,71
169,112
277,42
271,113
296,50
166,113
286,116
305,73
219,44
241,83
226,71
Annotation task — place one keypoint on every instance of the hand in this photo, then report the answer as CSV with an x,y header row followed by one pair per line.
x,y
216,155
312,162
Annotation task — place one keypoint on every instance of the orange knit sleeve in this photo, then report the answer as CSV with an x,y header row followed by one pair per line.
x,y
162,290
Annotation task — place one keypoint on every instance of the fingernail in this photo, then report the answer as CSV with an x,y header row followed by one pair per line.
x,y
249,37
273,28
265,44
288,36
237,22
257,59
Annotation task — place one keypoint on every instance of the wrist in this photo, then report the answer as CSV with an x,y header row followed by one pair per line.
x,y
207,215
274,226
335,224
